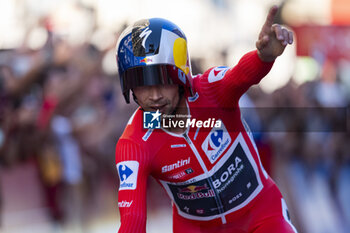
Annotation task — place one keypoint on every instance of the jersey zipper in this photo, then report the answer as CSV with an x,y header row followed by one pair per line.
x,y
206,172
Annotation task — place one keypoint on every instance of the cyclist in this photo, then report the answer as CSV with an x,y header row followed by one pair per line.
x,y
208,164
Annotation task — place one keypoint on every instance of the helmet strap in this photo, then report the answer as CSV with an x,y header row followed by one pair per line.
x,y
134,97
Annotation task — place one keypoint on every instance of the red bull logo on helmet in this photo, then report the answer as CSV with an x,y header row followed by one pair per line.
x,y
146,60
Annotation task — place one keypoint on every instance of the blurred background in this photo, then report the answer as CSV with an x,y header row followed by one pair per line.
x,y
62,112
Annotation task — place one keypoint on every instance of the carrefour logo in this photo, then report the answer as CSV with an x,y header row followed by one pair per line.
x,y
127,171
216,143
124,172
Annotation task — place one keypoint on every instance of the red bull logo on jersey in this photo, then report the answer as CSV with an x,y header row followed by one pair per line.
x,y
193,192
216,143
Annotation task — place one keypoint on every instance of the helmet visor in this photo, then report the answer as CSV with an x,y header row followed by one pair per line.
x,y
150,75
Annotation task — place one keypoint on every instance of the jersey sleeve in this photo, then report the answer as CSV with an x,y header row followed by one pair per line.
x,y
132,164
226,85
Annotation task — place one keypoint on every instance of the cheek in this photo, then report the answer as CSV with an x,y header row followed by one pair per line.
x,y
140,95
175,97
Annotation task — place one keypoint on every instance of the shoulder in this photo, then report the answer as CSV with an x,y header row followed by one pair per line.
x,y
210,82
211,76
133,130
134,142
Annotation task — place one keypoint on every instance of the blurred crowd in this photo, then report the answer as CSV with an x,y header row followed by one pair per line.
x,y
62,113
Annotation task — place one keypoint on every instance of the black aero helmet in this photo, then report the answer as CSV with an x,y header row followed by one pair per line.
x,y
152,52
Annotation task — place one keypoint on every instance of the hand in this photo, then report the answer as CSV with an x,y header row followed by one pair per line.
x,y
273,38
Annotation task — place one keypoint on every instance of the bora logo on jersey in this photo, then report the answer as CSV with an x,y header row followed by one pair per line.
x,y
127,171
216,143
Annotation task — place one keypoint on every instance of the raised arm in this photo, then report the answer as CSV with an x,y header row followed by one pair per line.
x,y
226,85
273,38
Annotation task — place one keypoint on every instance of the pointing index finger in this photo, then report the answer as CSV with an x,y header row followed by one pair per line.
x,y
271,15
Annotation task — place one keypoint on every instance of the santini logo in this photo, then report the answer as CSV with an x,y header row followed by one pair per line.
x,y
123,204
178,164
152,120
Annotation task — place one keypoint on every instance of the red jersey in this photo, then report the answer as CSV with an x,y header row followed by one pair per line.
x,y
213,175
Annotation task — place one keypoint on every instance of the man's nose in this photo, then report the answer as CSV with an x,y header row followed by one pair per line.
x,y
155,93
